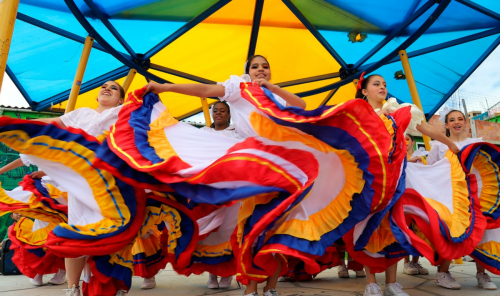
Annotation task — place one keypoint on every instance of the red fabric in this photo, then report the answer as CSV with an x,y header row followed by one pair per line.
x,y
97,288
150,270
447,249
376,265
30,264
28,184
361,78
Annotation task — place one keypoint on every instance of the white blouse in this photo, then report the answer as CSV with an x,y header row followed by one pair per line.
x,y
87,119
241,108
230,132
438,149
417,116
92,122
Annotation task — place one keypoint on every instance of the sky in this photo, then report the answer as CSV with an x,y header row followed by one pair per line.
x,y
485,80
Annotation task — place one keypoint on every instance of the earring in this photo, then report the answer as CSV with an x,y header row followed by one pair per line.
x,y
365,98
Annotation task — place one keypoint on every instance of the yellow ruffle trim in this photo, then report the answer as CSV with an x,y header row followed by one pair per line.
x,y
490,249
36,210
148,246
213,251
332,215
101,182
381,237
488,170
124,258
23,229
390,129
164,214
157,138
461,216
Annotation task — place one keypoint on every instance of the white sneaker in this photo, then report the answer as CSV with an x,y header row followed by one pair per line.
x,y
343,272
394,289
360,273
37,280
372,289
212,282
410,269
225,282
484,281
59,278
271,292
148,283
75,291
251,294
121,293
420,268
282,279
444,279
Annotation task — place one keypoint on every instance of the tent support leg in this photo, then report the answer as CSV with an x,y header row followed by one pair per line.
x,y
206,111
413,89
8,13
128,80
77,83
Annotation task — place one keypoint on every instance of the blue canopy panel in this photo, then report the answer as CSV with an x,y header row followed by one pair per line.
x,y
437,73
455,22
43,61
43,64
493,5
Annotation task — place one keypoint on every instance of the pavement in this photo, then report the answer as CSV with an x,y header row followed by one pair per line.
x,y
327,283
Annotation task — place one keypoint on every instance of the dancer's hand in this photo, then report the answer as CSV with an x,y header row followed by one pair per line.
x,y
264,83
454,148
155,88
37,175
382,112
415,159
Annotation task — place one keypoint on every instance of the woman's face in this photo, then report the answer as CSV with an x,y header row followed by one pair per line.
x,y
376,90
409,143
259,69
109,94
456,123
16,216
220,114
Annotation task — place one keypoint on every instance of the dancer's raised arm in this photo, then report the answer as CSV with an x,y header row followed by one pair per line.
x,y
257,67
192,89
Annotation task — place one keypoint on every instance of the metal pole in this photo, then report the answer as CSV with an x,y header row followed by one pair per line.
x,y
206,111
465,109
77,83
8,13
128,80
413,90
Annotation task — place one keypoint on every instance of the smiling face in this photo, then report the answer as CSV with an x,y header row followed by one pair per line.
x,y
110,94
259,69
455,123
376,90
409,144
220,115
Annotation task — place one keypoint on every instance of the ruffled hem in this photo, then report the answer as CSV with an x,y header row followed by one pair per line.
x,y
33,260
121,206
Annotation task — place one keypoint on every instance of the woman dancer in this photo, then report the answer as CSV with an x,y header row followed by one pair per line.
x,y
30,257
414,267
259,73
373,90
221,115
455,123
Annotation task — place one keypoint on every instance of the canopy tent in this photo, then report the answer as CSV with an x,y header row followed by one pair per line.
x,y
315,48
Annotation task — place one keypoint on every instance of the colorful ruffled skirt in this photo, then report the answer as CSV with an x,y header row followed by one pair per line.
x,y
305,181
